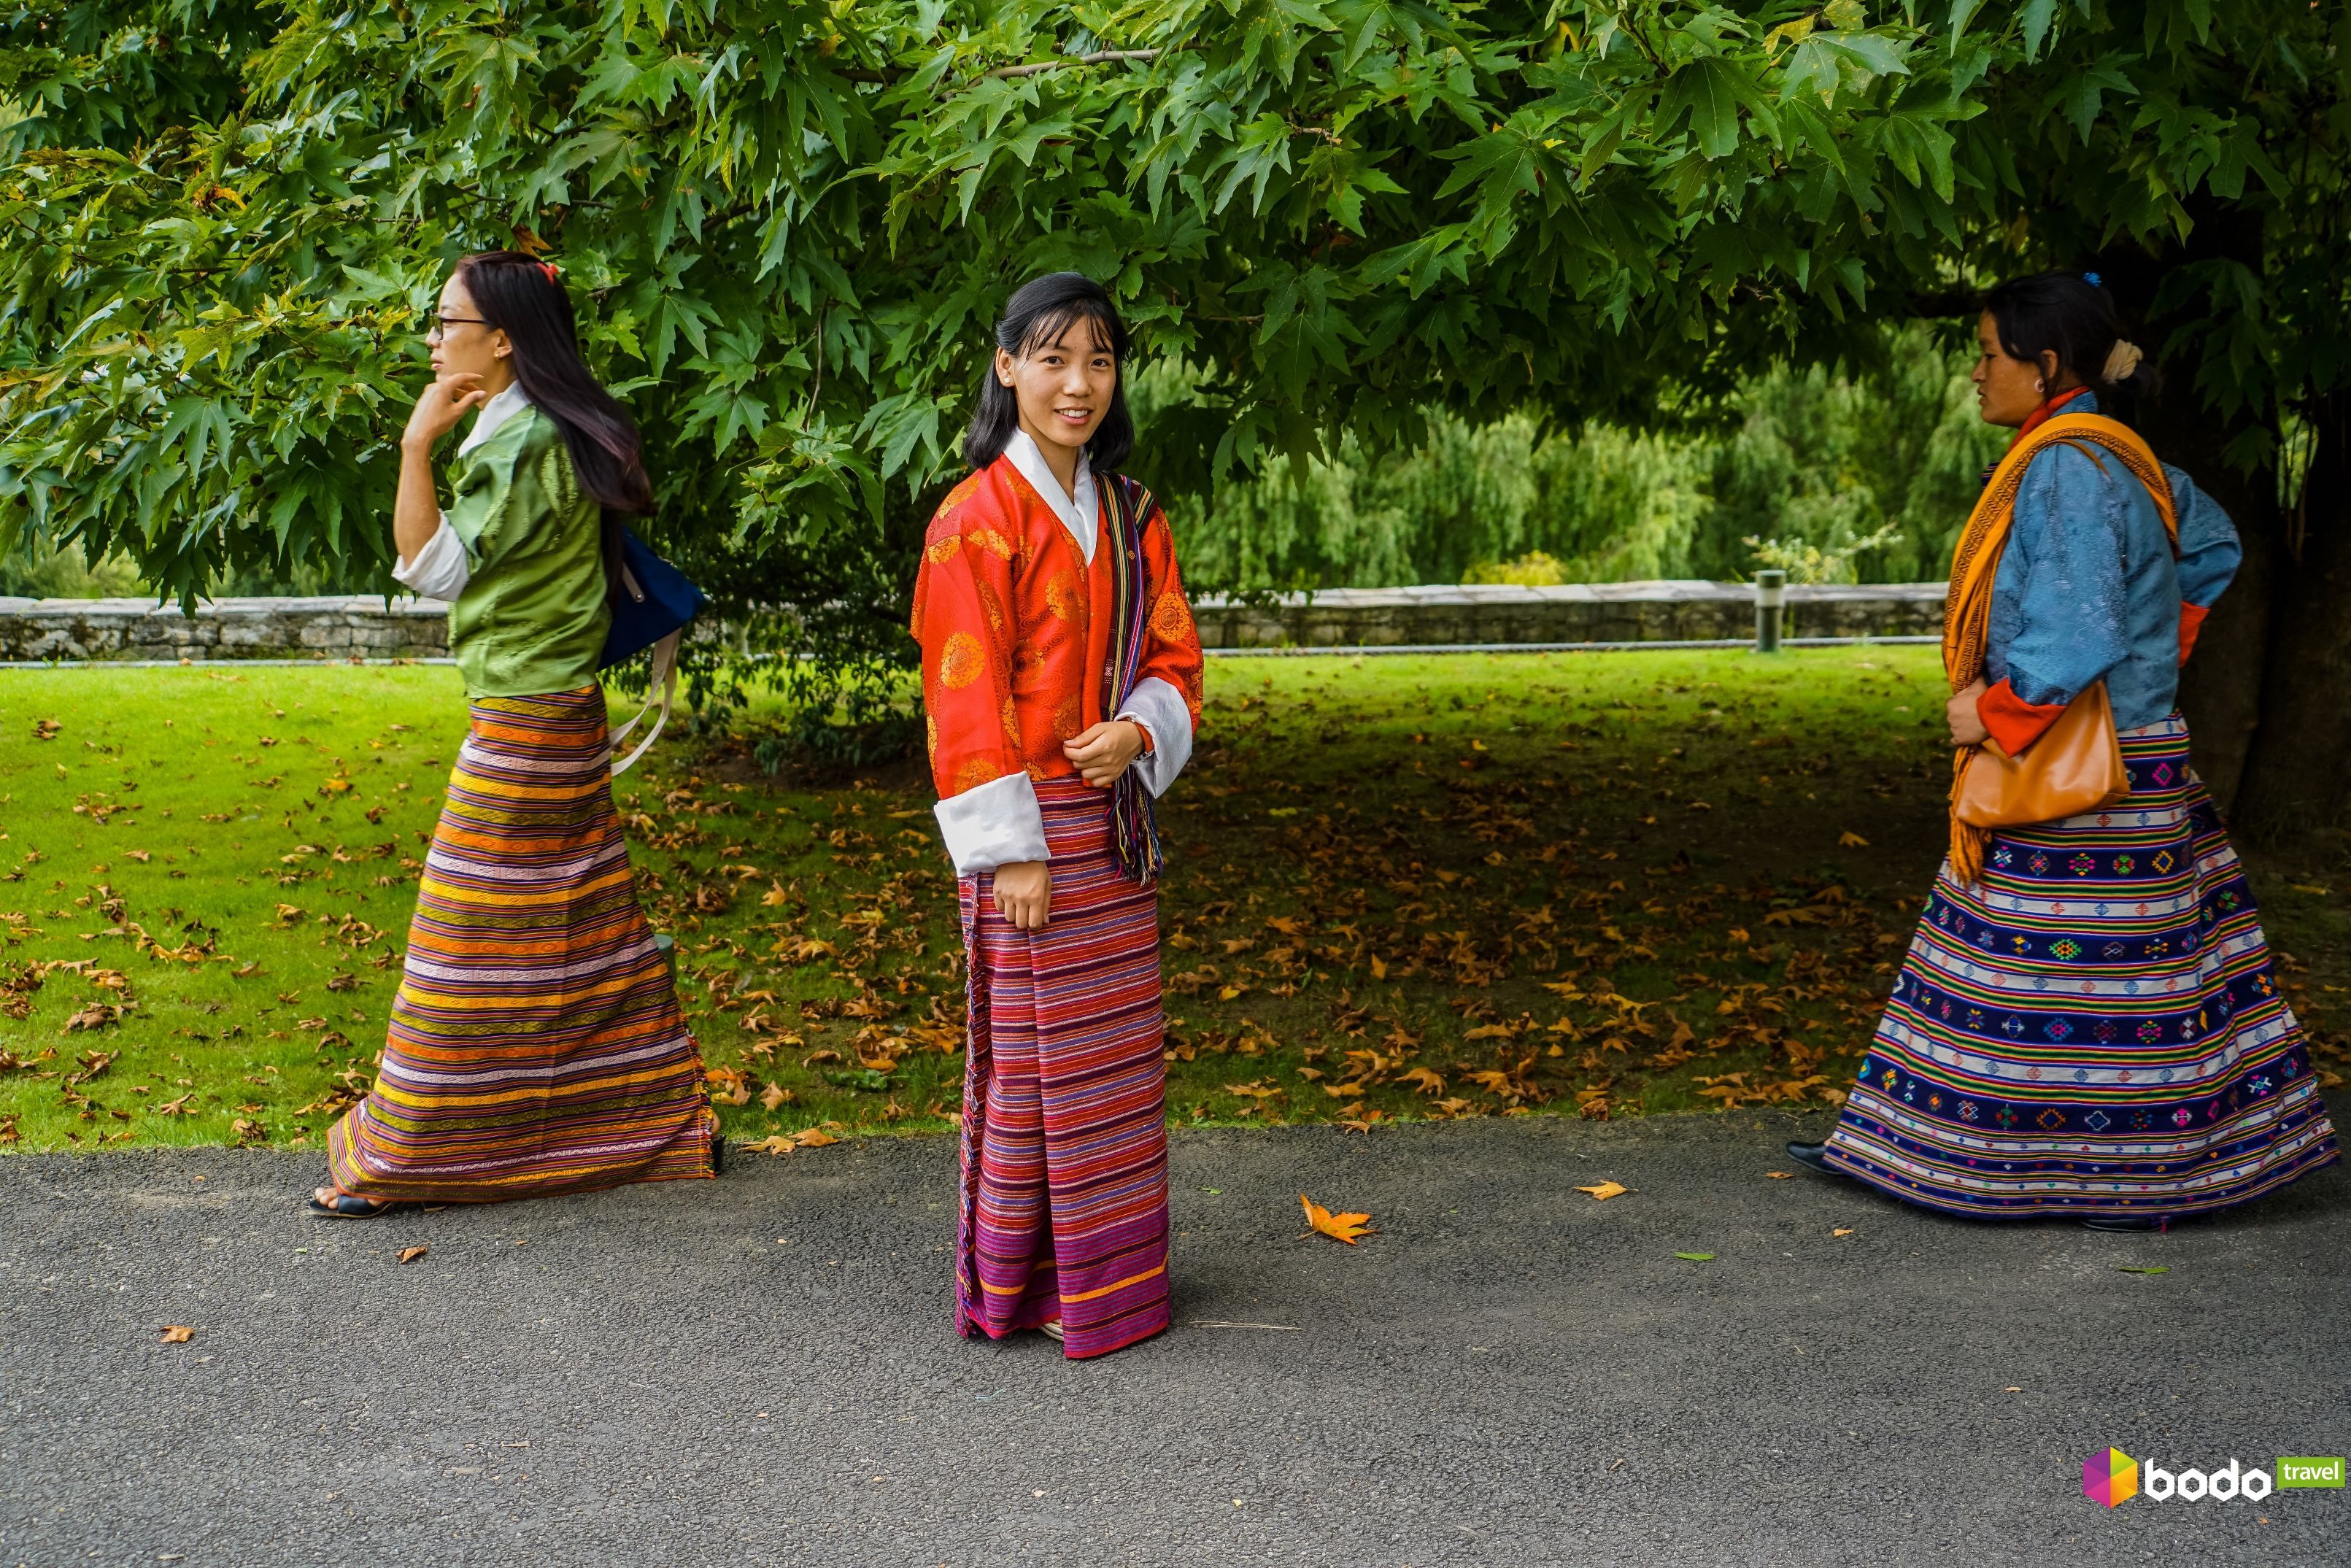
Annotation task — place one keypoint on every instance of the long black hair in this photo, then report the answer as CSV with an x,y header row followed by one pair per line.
x,y
2069,314
1039,312
521,296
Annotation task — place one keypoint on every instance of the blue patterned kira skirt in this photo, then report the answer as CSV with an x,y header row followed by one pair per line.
x,y
2096,1029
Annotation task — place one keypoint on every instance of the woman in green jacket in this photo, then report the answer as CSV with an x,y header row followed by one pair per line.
x,y
536,1045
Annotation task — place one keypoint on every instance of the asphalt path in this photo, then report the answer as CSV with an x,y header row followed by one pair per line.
x,y
762,1370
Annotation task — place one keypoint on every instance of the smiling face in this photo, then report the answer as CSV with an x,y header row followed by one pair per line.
x,y
2008,390
1063,384
463,344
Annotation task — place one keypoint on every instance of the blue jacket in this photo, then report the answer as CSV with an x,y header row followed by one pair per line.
x,y
2088,588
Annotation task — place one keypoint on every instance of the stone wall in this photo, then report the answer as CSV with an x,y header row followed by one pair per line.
x,y
1674,611
327,629
1684,611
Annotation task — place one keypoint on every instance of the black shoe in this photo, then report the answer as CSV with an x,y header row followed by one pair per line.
x,y
2140,1223
1816,1156
717,1153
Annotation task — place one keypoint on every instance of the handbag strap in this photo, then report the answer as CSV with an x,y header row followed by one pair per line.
x,y
660,692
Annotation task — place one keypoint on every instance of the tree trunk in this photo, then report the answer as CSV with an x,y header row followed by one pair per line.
x,y
2297,776
2221,690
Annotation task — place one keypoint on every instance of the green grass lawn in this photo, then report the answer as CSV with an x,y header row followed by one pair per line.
x,y
1605,885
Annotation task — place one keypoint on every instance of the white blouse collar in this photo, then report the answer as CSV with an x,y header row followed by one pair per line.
x,y
500,408
1081,513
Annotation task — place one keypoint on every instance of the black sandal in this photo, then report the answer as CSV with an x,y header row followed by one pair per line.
x,y
1815,1156
350,1205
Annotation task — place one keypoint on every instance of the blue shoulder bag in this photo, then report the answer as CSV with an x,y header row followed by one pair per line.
x,y
651,603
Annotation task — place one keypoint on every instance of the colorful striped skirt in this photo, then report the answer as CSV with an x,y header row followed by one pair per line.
x,y
2096,1029
536,1044
1064,1173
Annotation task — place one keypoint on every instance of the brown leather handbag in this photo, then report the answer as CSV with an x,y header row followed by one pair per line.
x,y
2076,766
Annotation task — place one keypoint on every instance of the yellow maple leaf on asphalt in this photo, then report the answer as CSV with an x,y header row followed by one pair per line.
x,y
1605,1190
1852,842
1344,1227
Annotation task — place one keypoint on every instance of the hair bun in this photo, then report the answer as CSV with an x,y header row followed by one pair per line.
x,y
2122,362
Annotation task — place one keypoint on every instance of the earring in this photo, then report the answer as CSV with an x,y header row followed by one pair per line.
x,y
2039,384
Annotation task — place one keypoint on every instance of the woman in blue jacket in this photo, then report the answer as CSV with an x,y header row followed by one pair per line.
x,y
2088,1022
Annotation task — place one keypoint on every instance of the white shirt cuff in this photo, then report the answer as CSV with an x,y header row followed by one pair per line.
x,y
993,825
1159,708
440,569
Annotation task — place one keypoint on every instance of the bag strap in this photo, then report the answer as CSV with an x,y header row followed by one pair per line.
x,y
660,692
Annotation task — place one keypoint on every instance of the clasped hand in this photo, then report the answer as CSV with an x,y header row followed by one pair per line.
x,y
1967,725
1105,751
1024,889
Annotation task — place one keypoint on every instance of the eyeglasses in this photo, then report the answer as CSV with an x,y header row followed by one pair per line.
x,y
437,325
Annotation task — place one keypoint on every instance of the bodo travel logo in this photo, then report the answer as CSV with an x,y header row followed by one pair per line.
x,y
2114,1478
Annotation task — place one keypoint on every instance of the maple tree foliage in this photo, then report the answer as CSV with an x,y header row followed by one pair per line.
x,y
790,223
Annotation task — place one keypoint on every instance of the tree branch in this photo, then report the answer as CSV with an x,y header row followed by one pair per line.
x,y
1099,57
1948,302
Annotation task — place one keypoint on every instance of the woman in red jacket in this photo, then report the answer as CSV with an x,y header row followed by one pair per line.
x,y
1061,684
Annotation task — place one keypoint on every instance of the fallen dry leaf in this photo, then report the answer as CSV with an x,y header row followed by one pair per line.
x,y
1781,1176
1852,842
178,1333
1605,1190
1346,1228
411,1254
813,1139
781,1143
775,1094
1847,1231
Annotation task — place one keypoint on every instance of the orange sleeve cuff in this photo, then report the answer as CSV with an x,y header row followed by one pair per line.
x,y
2191,622
2013,722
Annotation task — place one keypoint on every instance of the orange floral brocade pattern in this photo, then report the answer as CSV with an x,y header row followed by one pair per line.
x,y
1015,629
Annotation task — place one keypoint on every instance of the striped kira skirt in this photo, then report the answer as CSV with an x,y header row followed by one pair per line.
x,y
1064,1169
536,1044
2095,1029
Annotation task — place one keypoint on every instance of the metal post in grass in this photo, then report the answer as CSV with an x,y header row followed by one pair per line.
x,y
1771,599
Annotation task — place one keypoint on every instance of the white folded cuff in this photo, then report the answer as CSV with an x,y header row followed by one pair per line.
x,y
440,569
993,825
1159,708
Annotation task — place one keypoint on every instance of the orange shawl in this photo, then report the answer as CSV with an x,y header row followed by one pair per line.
x,y
1975,563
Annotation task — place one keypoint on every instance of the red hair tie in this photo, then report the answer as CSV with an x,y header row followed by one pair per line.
x,y
548,268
